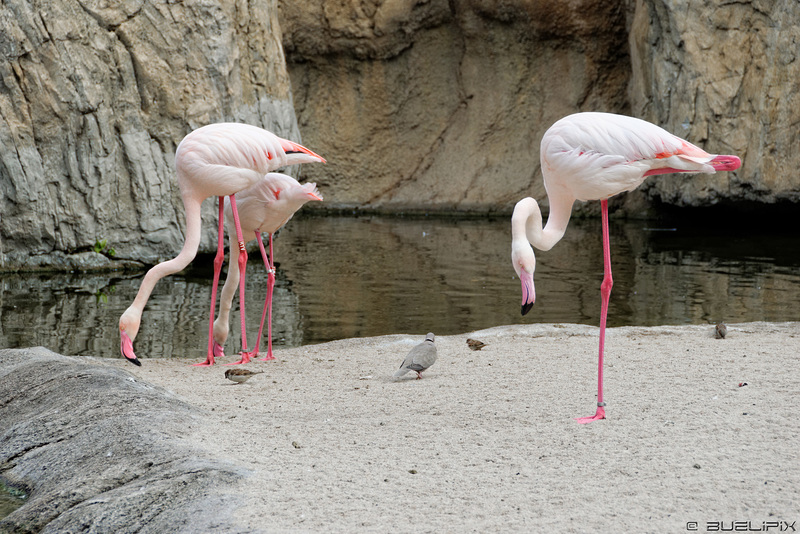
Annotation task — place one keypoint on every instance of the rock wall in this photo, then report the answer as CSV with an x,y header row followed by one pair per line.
x,y
93,102
726,76
417,104
441,105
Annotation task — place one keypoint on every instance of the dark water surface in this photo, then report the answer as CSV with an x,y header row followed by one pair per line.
x,y
367,276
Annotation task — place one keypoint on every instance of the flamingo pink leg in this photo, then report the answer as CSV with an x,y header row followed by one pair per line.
x,y
605,292
218,259
242,269
268,303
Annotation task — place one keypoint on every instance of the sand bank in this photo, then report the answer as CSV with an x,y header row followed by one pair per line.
x,y
486,441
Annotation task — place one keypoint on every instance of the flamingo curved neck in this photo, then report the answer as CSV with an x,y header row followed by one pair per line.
x,y
166,268
527,221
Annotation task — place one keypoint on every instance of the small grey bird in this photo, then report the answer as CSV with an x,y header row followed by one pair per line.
x,y
420,358
721,330
240,376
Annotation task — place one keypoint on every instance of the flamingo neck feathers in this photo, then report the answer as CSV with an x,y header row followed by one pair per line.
x,y
527,222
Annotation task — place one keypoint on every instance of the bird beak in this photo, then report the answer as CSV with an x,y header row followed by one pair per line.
x,y
528,291
294,148
725,163
126,347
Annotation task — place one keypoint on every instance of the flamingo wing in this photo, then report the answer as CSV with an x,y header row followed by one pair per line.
x,y
598,155
236,155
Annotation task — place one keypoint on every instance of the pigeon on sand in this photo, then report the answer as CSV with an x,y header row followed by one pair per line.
x,y
240,376
420,358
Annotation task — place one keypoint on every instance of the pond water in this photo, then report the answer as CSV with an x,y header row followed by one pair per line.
x,y
341,277
10,499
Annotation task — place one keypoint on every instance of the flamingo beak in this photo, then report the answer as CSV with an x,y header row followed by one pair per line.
x,y
725,163
528,291
126,346
295,148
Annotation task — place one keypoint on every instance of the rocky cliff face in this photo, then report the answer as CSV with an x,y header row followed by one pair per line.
x,y
94,100
417,104
727,77
439,105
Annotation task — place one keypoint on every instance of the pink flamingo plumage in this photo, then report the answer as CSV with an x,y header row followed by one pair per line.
x,y
215,160
594,156
263,207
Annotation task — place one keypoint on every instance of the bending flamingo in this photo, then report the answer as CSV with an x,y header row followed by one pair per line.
x,y
215,160
594,156
263,207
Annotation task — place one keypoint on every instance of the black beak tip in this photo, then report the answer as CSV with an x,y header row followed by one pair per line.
x,y
527,307
134,361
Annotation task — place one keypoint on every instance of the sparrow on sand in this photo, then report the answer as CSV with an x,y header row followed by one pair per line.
x,y
721,330
474,344
240,376
420,358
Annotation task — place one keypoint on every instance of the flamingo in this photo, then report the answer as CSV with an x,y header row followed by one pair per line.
x,y
215,160
594,156
265,206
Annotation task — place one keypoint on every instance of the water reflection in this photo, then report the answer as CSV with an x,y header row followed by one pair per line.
x,y
354,277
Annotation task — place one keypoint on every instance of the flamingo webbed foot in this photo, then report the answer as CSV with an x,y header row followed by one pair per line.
x,y
126,347
246,356
216,352
601,414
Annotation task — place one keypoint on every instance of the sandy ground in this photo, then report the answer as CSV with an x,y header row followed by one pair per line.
x,y
487,441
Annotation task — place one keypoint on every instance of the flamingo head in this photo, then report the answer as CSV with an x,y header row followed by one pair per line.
x,y
311,192
524,262
282,187
300,194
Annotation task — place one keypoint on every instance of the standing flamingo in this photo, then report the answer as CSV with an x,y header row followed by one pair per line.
x,y
215,160
263,207
594,156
